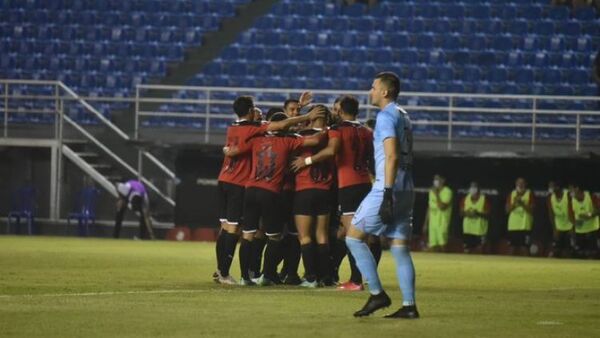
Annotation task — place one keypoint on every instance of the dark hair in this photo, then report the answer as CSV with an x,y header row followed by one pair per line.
x,y
391,81
288,101
349,105
371,123
328,115
278,117
271,112
242,105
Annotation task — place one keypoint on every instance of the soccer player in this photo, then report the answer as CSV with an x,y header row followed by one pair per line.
x,y
262,201
234,174
291,107
438,215
352,146
387,209
519,206
475,209
312,207
133,194
558,204
585,214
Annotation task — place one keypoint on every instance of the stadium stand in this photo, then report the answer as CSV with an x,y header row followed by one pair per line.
x,y
102,48
437,46
105,48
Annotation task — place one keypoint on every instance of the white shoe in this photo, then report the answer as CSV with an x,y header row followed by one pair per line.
x,y
246,282
227,280
263,281
307,284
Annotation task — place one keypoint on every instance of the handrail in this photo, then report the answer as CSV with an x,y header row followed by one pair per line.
x,y
159,164
100,145
70,95
118,159
363,92
126,138
95,112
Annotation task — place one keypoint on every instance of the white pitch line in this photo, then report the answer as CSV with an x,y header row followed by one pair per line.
x,y
173,291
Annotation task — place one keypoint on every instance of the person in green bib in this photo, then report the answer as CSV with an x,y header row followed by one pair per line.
x,y
558,204
585,211
519,207
475,209
438,215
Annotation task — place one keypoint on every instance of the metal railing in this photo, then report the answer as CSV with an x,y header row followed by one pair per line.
x,y
63,95
451,113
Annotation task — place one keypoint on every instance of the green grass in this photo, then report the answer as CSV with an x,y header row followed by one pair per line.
x,y
62,287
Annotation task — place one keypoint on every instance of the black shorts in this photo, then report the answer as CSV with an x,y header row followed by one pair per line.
x,y
287,209
562,240
519,238
312,202
137,203
262,205
473,241
231,202
350,197
587,242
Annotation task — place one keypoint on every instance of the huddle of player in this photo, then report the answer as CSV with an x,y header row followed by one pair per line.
x,y
289,186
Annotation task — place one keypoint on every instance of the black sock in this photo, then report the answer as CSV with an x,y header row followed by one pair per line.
x,y
272,256
229,243
258,245
308,258
324,262
245,258
292,255
375,248
219,248
339,252
355,276
284,257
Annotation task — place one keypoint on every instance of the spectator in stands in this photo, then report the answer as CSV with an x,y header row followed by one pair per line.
x,y
132,194
519,206
596,76
584,213
559,204
475,209
438,215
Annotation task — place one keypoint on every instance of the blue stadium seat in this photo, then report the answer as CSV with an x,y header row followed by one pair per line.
x,y
456,11
585,14
557,13
478,11
355,10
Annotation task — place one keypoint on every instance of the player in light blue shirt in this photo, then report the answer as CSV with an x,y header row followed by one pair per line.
x,y
387,210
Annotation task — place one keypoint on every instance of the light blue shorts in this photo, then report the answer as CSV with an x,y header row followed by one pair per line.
x,y
367,217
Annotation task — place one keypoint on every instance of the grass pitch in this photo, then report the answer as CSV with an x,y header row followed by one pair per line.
x,y
64,287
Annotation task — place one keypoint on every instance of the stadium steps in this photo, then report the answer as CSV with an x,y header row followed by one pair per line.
x,y
91,169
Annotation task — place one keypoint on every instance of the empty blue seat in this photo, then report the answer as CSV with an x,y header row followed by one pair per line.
x,y
524,75
355,10
557,13
499,74
477,11
452,10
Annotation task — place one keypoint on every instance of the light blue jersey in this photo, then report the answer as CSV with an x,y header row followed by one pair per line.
x,y
392,122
